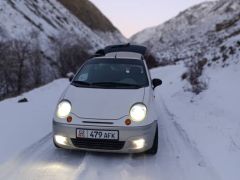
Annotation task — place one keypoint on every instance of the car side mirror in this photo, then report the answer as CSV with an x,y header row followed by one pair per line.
x,y
156,83
70,76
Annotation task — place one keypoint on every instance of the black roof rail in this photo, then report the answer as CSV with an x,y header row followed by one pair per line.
x,y
126,48
121,48
100,52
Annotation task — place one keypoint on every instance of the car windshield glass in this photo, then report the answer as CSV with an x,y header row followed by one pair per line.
x,y
112,73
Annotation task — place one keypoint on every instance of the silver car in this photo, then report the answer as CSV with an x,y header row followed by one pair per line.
x,y
109,105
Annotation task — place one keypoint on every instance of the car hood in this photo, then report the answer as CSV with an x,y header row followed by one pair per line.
x,y
95,103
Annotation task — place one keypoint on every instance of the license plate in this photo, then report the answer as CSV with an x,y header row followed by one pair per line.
x,y
97,134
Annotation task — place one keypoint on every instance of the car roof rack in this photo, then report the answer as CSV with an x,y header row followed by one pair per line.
x,y
99,53
121,48
126,48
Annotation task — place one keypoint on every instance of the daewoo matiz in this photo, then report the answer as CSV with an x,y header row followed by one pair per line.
x,y
109,105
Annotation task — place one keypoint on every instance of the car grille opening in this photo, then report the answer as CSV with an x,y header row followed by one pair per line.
x,y
98,144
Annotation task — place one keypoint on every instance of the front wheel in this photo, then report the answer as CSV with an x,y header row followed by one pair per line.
x,y
154,148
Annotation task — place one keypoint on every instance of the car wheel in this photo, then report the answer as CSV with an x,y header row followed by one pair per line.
x,y
154,148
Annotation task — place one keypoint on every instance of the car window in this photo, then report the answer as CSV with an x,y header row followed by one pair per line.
x,y
84,74
113,73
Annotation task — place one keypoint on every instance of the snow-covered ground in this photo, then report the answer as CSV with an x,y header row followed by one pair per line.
x,y
209,121
22,124
199,136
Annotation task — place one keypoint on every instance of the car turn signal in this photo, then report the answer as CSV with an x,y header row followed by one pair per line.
x,y
69,119
128,122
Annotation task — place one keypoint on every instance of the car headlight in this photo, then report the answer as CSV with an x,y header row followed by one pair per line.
x,y
63,109
138,112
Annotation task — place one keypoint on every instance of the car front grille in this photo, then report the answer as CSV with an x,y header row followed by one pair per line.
x,y
98,144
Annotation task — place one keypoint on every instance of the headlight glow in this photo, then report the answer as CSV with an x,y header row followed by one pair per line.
x,y
138,112
60,140
63,109
138,144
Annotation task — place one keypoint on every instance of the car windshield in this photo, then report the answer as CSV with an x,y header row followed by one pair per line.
x,y
112,73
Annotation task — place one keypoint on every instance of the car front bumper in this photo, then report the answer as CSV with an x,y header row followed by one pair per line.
x,y
125,144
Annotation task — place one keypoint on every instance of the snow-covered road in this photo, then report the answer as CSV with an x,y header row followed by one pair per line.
x,y
198,136
177,159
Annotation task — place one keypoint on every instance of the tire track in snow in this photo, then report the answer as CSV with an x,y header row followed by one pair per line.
x,y
189,154
14,163
178,159
117,166
43,161
166,165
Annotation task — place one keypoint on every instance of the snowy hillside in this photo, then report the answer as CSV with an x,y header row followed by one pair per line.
x,y
47,39
198,138
209,30
88,13
19,18
205,36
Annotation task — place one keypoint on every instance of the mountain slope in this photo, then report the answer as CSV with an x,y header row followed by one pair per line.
x,y
203,36
210,30
89,15
52,36
50,18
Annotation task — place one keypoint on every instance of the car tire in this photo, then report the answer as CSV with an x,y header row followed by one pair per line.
x,y
154,148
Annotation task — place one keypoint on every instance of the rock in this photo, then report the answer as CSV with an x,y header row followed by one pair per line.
x,y
23,100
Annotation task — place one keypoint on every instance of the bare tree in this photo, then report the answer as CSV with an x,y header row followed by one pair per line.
x,y
36,60
71,53
14,68
21,51
22,61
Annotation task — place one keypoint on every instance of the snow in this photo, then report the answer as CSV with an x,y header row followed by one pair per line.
x,y
211,120
143,36
49,18
196,33
22,124
199,136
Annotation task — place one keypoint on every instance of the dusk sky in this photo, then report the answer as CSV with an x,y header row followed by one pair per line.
x,y
131,16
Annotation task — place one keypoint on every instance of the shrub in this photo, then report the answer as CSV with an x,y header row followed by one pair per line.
x,y
71,57
238,43
195,70
151,61
17,58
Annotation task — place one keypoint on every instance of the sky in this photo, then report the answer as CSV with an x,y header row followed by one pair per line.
x,y
132,16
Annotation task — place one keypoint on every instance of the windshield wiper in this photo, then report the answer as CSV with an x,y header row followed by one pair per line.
x,y
105,84
116,84
81,83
